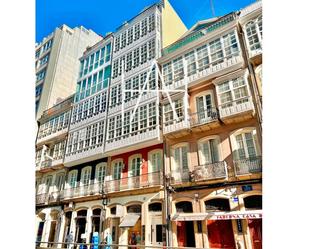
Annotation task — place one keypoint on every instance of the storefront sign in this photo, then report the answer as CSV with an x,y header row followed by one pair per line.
x,y
246,188
257,214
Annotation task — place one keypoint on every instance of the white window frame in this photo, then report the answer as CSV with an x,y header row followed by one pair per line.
x,y
100,172
86,171
150,160
174,165
138,168
200,143
119,164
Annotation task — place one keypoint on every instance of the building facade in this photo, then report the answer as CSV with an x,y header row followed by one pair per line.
x,y
162,141
57,65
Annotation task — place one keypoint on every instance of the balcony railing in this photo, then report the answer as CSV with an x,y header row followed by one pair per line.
x,y
41,198
236,107
209,171
180,176
134,182
247,166
54,197
50,163
174,125
204,116
82,190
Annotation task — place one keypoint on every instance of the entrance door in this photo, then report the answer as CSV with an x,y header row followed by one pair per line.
x,y
255,228
156,231
220,234
115,230
40,232
52,232
185,234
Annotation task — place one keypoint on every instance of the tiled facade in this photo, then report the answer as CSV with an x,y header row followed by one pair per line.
x,y
183,173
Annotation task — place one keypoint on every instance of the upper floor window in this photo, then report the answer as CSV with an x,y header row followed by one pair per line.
x,y
254,34
204,106
85,177
217,204
184,207
117,169
72,179
155,207
100,172
135,166
253,202
169,114
244,144
180,157
117,43
209,150
233,92
155,161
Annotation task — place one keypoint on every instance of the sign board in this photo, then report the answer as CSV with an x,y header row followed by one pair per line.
x,y
235,199
246,188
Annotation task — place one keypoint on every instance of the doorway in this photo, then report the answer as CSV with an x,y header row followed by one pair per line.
x,y
52,232
185,234
255,228
220,234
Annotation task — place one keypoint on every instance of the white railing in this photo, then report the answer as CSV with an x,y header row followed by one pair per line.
x,y
82,190
210,171
52,135
175,126
130,139
209,72
236,107
248,166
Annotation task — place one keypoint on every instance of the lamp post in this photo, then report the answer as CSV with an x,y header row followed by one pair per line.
x,y
104,203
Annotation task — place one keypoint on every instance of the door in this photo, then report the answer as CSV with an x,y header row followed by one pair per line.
x,y
48,183
114,185
204,108
134,172
181,235
185,234
156,231
40,232
52,232
220,234
154,167
255,228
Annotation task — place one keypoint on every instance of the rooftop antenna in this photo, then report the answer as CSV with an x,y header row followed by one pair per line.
x,y
212,8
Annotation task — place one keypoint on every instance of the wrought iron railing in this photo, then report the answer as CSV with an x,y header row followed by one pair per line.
x,y
246,166
41,198
93,188
180,176
209,171
134,182
204,116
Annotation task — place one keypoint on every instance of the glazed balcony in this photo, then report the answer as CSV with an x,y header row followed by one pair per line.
x,y
241,109
174,125
210,171
134,182
91,189
205,119
213,70
248,166
133,141
251,8
87,154
52,134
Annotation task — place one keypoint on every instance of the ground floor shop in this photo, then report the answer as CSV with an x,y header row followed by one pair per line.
x,y
229,217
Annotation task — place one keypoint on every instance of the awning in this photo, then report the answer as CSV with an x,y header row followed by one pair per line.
x,y
129,220
252,214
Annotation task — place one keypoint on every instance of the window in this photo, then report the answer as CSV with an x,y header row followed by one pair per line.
x,y
143,117
178,69
254,34
184,207
123,39
135,57
245,144
204,106
203,57
122,63
136,31
151,23
100,172
159,237
115,68
96,59
137,209
117,43
253,202
117,168
155,207
94,134
113,96
108,52
130,36
38,90
209,151
59,181
217,205
135,165
216,52
129,61
113,211
87,140
144,27
40,75
155,161
91,63
111,127
191,64
97,104
86,172
151,49
180,156
230,45
152,115
100,132
167,74
233,92
44,60
143,53
118,127
73,179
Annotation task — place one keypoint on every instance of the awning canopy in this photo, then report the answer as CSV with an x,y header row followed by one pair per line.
x,y
129,220
232,215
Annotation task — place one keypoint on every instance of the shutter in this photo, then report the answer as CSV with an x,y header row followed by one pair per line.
x,y
184,157
214,144
241,154
250,145
177,158
206,152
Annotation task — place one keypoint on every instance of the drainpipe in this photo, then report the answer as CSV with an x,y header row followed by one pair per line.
x,y
253,86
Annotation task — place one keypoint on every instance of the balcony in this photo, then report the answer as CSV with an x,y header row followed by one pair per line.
x,y
204,119
180,176
60,132
48,164
229,112
247,166
90,189
210,171
41,199
133,141
251,8
134,182
213,70
174,125
54,197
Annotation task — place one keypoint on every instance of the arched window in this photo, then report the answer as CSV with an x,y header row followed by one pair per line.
x,y
217,204
155,161
135,166
82,213
253,202
155,207
134,209
184,207
96,212
113,210
72,179
59,181
180,157
117,169
100,172
86,173
209,150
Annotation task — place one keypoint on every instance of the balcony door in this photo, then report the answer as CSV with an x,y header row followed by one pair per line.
x,y
204,108
134,172
209,151
245,146
154,166
48,183
114,185
72,179
180,164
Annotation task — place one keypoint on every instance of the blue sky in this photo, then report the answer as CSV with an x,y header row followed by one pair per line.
x,y
103,16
